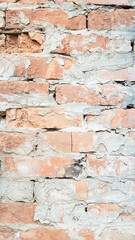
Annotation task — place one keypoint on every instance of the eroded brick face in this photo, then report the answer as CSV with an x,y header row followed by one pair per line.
x,y
67,120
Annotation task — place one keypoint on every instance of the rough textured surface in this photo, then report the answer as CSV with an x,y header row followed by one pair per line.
x,y
67,120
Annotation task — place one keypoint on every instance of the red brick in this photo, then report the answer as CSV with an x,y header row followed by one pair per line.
x,y
109,2
30,167
44,233
68,93
31,43
82,142
58,141
6,233
114,118
55,17
15,213
13,87
108,20
43,68
127,74
87,234
42,118
9,141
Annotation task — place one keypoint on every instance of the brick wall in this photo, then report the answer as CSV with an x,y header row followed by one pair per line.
x,y
67,120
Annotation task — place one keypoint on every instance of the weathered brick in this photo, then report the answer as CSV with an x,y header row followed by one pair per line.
x,y
119,166
16,142
20,19
23,43
16,191
89,43
87,234
109,2
111,20
37,1
110,234
6,233
113,119
2,19
2,42
42,118
127,74
61,1
81,189
14,87
15,213
60,190
58,141
82,142
103,95
46,233
43,67
9,163
52,167
104,207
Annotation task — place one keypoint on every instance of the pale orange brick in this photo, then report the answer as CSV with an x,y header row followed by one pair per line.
x,y
6,233
10,88
109,2
68,93
110,234
24,1
97,164
13,140
108,20
15,213
2,42
58,141
115,118
42,118
116,166
52,167
82,141
55,17
132,135
104,207
62,1
127,74
44,233
87,234
3,100
9,163
81,189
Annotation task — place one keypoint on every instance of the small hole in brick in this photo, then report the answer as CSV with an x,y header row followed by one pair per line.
x,y
36,147
133,46
54,95
87,22
86,210
129,106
